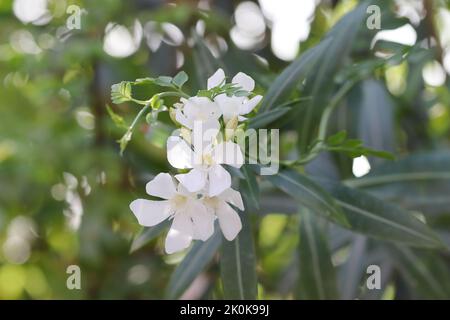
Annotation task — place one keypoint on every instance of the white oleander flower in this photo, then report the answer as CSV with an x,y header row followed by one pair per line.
x,y
229,220
192,220
234,106
206,164
198,109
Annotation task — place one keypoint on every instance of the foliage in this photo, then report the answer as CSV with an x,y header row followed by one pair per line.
x,y
309,232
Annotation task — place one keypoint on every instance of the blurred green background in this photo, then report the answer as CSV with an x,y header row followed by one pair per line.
x,y
64,188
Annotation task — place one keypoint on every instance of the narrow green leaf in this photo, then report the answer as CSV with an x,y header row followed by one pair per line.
x,y
320,85
285,83
337,138
420,182
308,193
317,279
432,167
238,264
146,235
380,219
193,264
426,273
249,188
263,119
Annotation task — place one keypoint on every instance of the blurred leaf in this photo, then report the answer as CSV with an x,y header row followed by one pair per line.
x,y
264,118
297,71
238,264
420,181
121,92
377,218
193,264
180,79
147,234
320,85
118,120
249,188
317,278
411,169
426,273
308,193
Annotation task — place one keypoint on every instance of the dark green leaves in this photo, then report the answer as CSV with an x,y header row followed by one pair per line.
x,y
121,92
317,278
238,265
420,182
263,119
308,193
285,83
193,264
380,219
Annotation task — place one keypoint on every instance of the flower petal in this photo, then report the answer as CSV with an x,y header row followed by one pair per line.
x,y
162,186
203,221
203,135
229,106
219,180
232,197
182,119
216,79
180,233
194,180
179,153
228,153
149,213
248,106
229,220
243,80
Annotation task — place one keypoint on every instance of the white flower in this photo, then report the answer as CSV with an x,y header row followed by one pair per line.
x,y
191,218
234,106
229,220
207,171
198,109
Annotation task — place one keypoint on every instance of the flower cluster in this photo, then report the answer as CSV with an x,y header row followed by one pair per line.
x,y
202,191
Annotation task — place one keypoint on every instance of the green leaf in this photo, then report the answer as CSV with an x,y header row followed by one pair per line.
x,y
264,118
249,188
320,86
121,92
317,279
432,167
426,273
193,264
164,81
238,264
380,219
297,71
118,120
146,235
337,139
420,182
308,193
180,79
